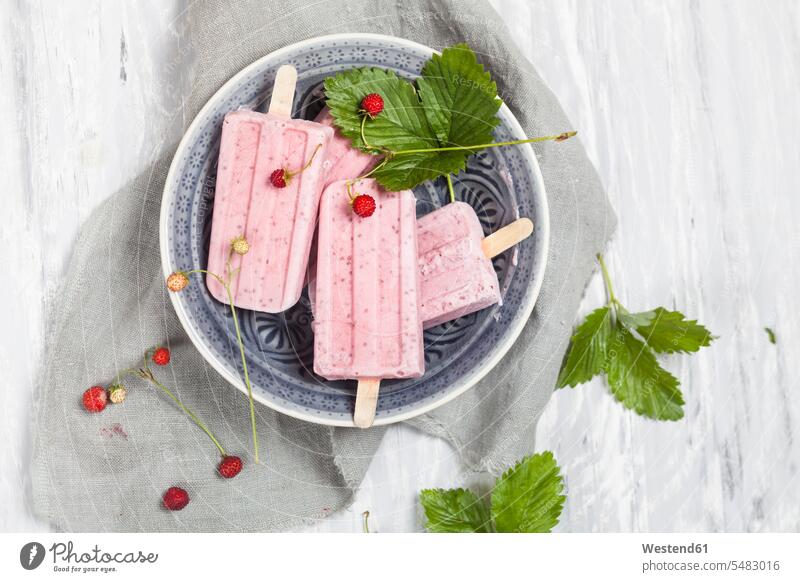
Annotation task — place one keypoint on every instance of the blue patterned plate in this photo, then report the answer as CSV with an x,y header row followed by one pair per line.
x,y
501,184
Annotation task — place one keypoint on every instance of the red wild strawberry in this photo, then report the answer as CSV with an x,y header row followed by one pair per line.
x,y
230,466
372,105
95,399
175,499
161,357
364,205
278,178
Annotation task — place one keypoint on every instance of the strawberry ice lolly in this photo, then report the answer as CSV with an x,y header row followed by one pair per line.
x,y
343,162
367,321
456,273
457,277
277,222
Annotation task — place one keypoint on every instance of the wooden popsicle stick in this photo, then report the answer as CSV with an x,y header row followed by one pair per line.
x,y
507,237
283,91
366,402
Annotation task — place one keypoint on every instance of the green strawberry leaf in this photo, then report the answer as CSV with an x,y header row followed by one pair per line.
x,y
455,511
402,124
528,497
668,331
587,352
638,381
405,172
634,320
609,341
456,106
459,97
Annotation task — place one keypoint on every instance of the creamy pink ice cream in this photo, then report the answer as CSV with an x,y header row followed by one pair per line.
x,y
343,162
278,223
456,277
367,320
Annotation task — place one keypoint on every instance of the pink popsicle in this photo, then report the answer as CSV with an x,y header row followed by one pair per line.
x,y
456,273
455,262
367,323
343,161
278,223
457,277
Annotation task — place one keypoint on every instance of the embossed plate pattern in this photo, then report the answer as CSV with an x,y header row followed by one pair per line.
x,y
501,184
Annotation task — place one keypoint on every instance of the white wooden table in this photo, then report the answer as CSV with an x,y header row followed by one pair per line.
x,y
690,111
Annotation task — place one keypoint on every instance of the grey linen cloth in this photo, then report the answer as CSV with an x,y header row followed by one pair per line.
x,y
107,472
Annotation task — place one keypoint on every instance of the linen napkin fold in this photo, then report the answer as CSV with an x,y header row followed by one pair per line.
x,y
107,472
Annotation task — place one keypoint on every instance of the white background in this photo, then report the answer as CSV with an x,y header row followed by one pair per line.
x,y
436,557
690,111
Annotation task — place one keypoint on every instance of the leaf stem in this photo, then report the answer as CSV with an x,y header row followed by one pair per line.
x,y
127,371
560,137
365,515
227,287
612,299
450,188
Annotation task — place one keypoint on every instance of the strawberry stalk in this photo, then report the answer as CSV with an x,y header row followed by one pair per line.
x,y
146,373
226,285
560,137
290,175
281,177
389,154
